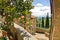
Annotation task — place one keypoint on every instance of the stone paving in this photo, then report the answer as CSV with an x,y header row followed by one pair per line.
x,y
41,36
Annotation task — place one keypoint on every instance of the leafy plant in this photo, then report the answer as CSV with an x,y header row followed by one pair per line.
x,y
3,38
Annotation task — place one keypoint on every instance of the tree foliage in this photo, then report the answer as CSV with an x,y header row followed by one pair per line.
x,y
22,6
13,8
47,21
42,22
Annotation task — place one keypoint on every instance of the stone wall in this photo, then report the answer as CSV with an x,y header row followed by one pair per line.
x,y
30,24
55,33
16,34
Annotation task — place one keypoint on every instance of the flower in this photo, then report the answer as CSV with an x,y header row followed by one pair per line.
x,y
22,17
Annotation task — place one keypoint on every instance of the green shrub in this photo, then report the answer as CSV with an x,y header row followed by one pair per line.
x,y
3,38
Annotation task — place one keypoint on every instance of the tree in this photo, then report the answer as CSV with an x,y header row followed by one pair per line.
x,y
47,21
12,8
42,22
39,25
23,7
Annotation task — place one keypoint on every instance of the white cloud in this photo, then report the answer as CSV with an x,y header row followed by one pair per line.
x,y
39,5
41,10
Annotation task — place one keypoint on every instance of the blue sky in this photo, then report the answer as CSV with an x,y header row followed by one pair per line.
x,y
41,8
44,2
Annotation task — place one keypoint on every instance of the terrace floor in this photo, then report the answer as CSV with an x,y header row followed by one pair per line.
x,y
41,36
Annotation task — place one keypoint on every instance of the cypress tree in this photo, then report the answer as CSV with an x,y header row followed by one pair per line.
x,y
47,21
39,25
42,22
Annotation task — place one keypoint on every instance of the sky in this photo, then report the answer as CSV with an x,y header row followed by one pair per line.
x,y
41,8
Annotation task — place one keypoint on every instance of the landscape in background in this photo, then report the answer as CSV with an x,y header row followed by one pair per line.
x,y
42,12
